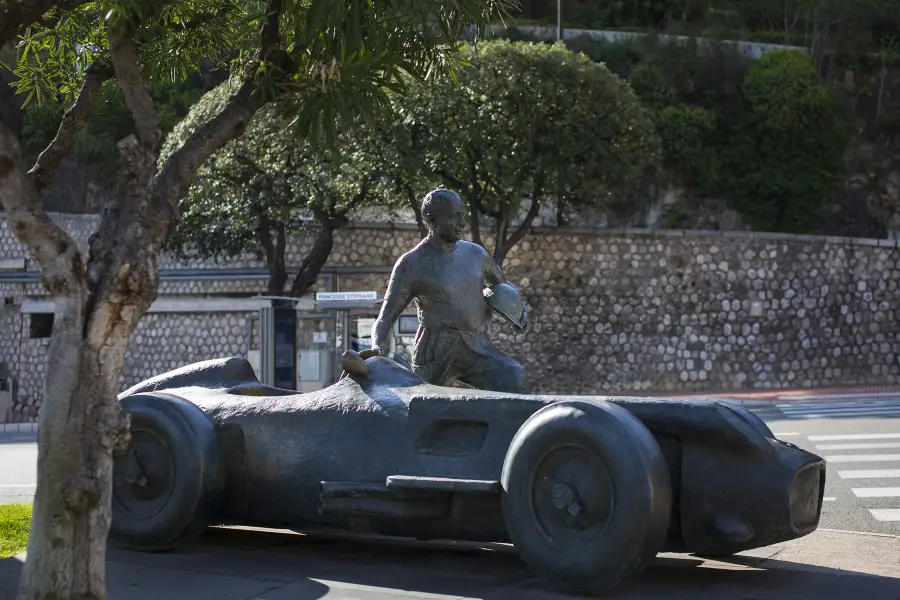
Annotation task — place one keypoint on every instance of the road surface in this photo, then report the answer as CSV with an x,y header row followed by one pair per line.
x,y
860,440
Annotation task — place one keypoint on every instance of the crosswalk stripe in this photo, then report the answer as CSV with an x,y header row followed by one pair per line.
x,y
795,405
845,458
846,413
840,408
850,396
880,492
867,446
870,474
854,436
781,434
885,514
856,412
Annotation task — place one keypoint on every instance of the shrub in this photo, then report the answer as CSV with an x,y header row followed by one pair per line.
x,y
784,162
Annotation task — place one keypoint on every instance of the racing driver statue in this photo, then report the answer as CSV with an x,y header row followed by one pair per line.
x,y
456,285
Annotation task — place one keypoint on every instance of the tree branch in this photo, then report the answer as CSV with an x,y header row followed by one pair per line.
x,y
174,178
62,267
519,233
72,122
414,205
134,89
269,36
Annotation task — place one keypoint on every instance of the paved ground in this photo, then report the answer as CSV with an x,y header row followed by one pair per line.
x,y
243,565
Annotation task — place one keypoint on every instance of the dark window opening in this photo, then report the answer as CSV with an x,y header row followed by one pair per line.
x,y
41,325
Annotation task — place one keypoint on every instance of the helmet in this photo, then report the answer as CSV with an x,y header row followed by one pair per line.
x,y
505,300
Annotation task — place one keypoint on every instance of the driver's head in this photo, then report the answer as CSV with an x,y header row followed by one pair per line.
x,y
444,214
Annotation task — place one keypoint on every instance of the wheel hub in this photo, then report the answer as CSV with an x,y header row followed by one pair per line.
x,y
565,497
572,495
143,476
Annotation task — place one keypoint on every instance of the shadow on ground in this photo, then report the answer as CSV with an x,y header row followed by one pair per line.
x,y
10,569
299,567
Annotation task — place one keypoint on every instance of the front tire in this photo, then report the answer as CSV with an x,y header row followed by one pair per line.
x,y
587,496
168,485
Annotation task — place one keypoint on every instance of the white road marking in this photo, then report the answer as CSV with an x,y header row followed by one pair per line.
x,y
884,492
839,396
847,413
855,436
838,406
788,434
870,474
885,514
872,446
845,458
830,405
828,499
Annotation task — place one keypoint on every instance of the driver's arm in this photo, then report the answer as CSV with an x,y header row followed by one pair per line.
x,y
396,298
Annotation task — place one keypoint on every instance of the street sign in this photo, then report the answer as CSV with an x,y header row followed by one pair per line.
x,y
346,297
345,300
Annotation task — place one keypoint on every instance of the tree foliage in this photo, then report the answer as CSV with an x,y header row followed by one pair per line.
x,y
785,162
528,124
270,185
94,146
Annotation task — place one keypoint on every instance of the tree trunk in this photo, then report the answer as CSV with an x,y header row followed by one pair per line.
x,y
416,208
313,262
80,426
274,250
508,243
81,423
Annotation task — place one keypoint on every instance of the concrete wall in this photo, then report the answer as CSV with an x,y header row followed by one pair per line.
x,y
613,311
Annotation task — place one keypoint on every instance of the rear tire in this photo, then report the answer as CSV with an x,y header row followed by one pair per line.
x,y
168,485
587,496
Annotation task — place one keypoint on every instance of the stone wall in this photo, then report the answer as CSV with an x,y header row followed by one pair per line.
x,y
617,311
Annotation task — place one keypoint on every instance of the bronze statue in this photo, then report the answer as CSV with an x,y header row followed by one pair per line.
x,y
447,277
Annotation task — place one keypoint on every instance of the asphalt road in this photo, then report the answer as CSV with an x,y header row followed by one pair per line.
x,y
860,440
859,437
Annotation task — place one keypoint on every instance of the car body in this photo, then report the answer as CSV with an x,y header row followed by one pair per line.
x,y
588,489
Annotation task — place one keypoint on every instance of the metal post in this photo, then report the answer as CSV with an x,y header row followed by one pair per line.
x,y
267,345
559,22
335,359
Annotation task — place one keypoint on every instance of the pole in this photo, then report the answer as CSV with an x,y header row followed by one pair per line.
x,y
559,23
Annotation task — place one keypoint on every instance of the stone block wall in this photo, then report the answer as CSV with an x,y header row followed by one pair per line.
x,y
166,341
613,311
635,312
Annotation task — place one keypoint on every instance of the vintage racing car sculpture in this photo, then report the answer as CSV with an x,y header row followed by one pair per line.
x,y
587,489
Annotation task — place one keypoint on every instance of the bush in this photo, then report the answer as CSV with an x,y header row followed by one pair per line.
x,y
784,162
686,133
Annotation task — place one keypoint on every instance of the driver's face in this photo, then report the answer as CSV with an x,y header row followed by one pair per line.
x,y
450,222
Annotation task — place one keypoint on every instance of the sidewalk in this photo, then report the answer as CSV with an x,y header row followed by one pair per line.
x,y
244,564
